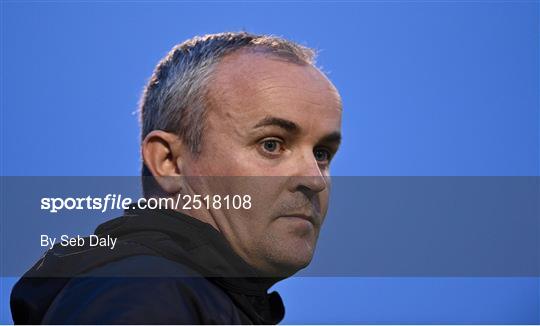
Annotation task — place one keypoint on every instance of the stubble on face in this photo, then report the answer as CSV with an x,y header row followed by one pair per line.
x,y
295,104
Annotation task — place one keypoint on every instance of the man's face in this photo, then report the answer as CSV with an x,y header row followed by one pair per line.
x,y
278,123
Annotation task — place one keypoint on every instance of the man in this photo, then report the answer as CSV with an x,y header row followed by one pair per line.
x,y
226,114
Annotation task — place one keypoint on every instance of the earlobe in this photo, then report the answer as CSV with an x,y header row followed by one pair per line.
x,y
162,154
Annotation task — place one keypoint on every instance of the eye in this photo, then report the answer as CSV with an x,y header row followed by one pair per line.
x,y
272,146
322,155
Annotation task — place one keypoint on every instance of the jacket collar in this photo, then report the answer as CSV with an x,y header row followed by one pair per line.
x,y
207,251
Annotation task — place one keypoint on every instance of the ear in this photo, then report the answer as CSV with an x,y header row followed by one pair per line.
x,y
162,154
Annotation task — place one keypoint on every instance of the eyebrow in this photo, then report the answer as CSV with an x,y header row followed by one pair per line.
x,y
279,122
334,137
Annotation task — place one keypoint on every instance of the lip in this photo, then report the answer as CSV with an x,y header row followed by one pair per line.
x,y
308,218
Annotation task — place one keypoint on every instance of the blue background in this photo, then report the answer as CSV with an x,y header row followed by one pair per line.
x,y
429,88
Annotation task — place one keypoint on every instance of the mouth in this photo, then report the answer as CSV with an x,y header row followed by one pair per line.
x,y
308,218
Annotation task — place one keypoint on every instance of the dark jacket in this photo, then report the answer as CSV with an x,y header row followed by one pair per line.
x,y
166,268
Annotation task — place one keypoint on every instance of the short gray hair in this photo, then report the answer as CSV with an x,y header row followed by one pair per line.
x,y
174,99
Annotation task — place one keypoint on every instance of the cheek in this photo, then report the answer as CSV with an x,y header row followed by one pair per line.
x,y
324,199
264,193
226,160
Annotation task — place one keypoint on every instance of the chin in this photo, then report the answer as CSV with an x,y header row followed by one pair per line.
x,y
292,260
286,269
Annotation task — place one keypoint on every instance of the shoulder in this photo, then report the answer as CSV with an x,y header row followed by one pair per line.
x,y
141,290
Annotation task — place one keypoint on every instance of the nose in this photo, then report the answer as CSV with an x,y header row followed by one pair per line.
x,y
307,175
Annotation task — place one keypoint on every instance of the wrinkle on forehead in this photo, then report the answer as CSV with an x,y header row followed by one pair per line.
x,y
241,78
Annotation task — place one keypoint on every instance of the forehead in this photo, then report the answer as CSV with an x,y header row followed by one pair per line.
x,y
247,86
